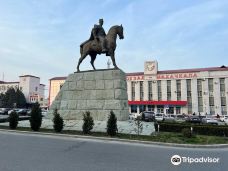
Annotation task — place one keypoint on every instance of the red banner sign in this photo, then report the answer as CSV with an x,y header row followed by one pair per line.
x,y
177,76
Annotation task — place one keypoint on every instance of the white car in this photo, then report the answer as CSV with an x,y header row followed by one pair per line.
x,y
223,117
159,117
226,120
210,120
169,117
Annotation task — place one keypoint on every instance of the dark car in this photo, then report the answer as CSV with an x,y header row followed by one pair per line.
x,y
148,116
22,111
4,111
194,119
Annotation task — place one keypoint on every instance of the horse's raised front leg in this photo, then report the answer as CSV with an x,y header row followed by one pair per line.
x,y
113,60
93,57
80,61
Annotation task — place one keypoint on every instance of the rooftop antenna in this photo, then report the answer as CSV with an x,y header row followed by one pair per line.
x,y
108,64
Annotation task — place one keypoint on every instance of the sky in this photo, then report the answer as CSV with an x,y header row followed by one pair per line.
x,y
42,37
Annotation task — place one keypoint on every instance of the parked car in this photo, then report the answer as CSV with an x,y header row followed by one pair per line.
x,y
194,119
210,120
226,120
180,118
223,117
159,116
4,111
22,111
19,111
148,116
169,117
12,110
44,112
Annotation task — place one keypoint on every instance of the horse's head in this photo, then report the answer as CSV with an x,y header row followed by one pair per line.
x,y
120,31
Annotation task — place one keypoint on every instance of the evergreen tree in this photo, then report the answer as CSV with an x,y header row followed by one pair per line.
x,y
138,126
10,98
2,97
58,121
36,117
87,123
112,124
13,120
21,101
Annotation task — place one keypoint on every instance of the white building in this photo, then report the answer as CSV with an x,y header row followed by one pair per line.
x,y
203,90
29,85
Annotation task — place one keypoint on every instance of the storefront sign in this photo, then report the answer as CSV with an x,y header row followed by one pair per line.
x,y
135,78
177,76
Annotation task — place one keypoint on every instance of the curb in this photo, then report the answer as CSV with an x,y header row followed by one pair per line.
x,y
119,140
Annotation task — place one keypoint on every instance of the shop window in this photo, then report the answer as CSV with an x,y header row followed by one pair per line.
x,y
142,108
133,108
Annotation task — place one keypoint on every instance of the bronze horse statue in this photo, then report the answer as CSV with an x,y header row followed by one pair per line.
x,y
93,47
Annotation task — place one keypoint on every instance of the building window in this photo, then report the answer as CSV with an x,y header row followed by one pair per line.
x,y
170,110
159,90
160,109
210,87
133,90
133,108
169,90
142,108
150,90
151,108
141,90
178,110
61,85
224,110
223,96
200,98
36,88
178,85
222,84
189,95
211,95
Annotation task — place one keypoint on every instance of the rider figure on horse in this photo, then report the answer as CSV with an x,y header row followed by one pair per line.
x,y
98,33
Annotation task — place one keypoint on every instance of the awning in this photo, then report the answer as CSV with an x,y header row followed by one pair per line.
x,y
174,103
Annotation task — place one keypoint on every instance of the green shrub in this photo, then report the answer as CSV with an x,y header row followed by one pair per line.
x,y
87,123
58,122
198,129
138,126
112,124
156,126
13,120
36,117
187,132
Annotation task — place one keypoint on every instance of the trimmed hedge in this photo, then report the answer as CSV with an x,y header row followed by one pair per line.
x,y
197,129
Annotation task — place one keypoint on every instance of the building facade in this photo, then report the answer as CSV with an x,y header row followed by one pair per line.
x,y
30,87
200,90
54,86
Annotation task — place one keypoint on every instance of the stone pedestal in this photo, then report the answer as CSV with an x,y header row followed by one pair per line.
x,y
96,91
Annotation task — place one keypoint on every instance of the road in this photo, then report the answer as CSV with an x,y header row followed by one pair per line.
x,y
32,152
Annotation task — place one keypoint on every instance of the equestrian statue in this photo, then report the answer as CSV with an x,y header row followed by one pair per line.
x,y
100,43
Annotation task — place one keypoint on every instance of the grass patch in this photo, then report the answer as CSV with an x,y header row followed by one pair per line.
x,y
167,137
